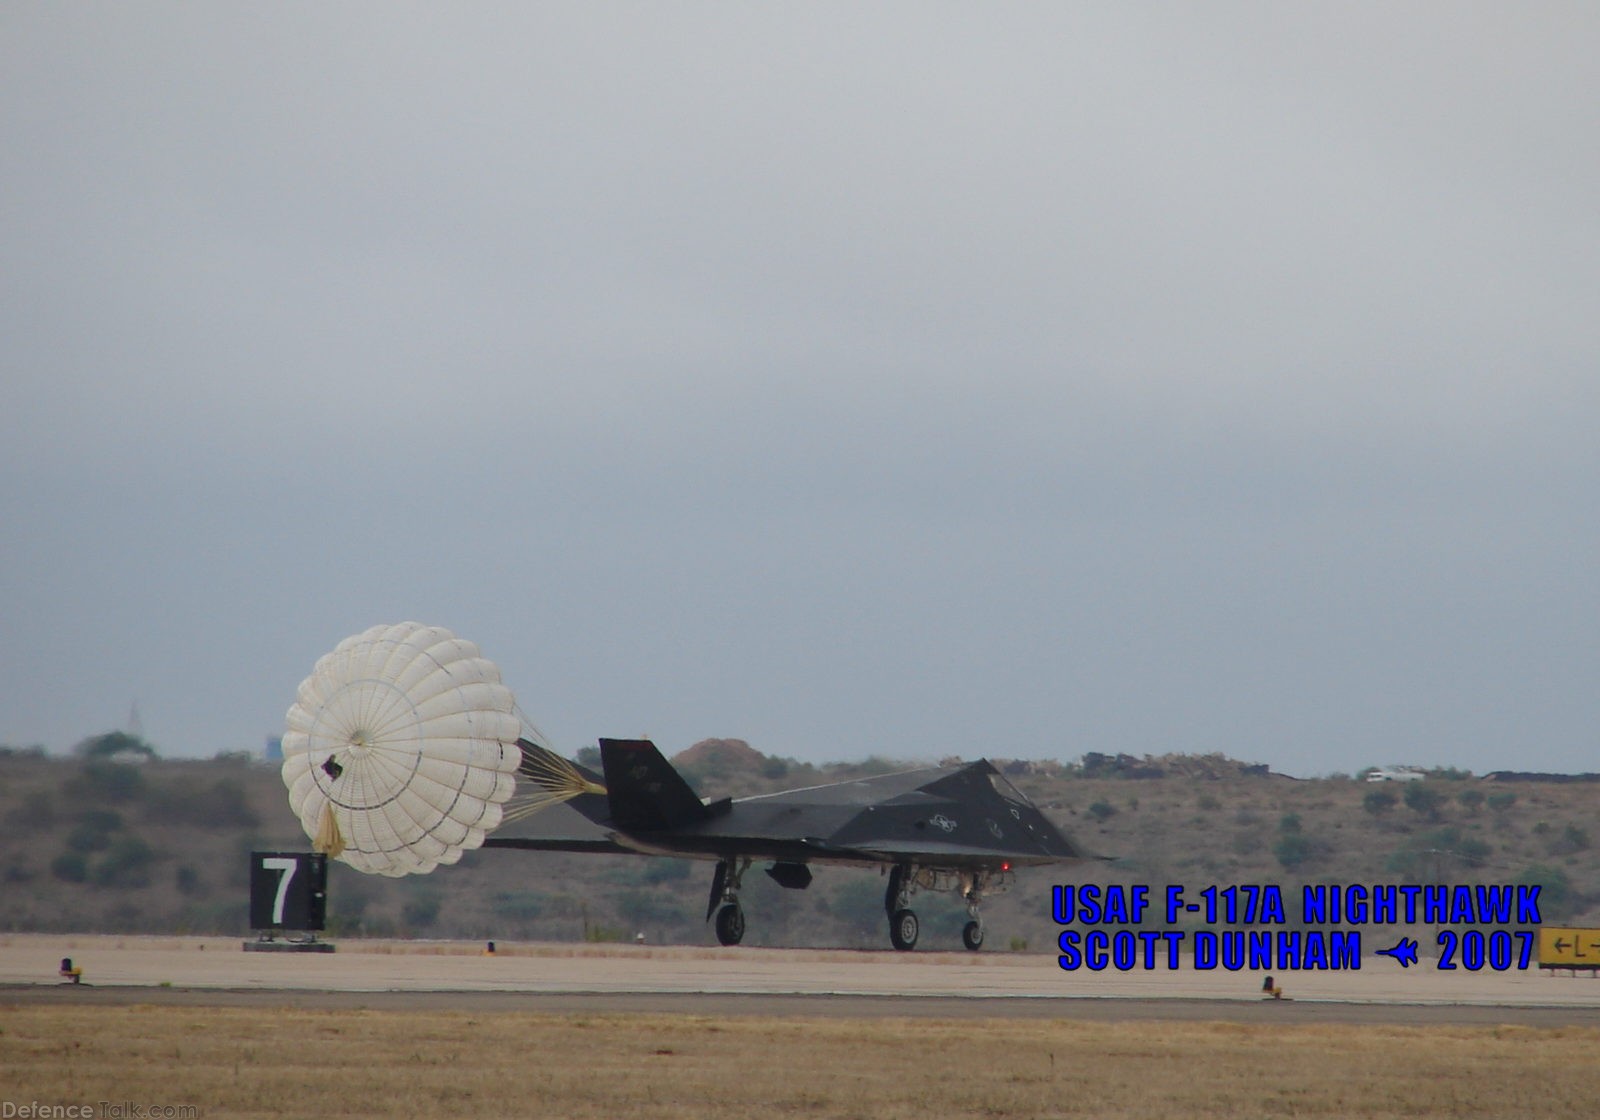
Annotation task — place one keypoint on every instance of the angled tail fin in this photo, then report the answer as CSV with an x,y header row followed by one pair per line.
x,y
647,794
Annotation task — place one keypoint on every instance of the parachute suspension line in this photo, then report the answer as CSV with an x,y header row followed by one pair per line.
x,y
554,779
530,731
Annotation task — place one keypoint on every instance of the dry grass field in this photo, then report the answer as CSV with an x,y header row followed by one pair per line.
x,y
237,1062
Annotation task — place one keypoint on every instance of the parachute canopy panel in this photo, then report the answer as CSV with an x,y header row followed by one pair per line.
x,y
401,749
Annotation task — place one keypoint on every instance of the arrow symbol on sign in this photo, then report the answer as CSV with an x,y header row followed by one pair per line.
x,y
1561,944
1404,951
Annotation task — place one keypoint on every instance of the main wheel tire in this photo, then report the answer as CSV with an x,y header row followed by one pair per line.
x,y
730,924
903,930
972,935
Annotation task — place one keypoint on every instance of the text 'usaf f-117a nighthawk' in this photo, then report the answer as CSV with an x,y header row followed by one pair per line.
x,y
404,749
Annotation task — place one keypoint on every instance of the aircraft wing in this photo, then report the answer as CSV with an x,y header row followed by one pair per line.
x,y
559,828
965,815
891,850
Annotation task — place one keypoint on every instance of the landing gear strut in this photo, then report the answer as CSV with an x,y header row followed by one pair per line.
x,y
725,891
903,924
972,891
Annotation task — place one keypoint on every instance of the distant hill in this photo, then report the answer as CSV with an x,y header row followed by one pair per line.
x,y
118,841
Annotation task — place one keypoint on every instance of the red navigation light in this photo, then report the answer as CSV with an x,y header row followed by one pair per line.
x,y
1005,865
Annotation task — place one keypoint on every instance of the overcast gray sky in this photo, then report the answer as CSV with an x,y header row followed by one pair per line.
x,y
910,379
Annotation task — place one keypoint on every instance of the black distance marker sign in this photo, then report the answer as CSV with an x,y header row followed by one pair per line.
x,y
288,890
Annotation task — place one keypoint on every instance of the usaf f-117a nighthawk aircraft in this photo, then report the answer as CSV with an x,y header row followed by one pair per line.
x,y
960,828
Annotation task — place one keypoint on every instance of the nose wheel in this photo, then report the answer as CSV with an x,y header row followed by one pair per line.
x,y
971,888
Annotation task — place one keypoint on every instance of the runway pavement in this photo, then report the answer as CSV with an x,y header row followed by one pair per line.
x,y
719,981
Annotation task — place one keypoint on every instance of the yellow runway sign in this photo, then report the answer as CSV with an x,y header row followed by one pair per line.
x,y
1569,948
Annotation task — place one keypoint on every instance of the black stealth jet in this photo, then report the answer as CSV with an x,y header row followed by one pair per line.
x,y
961,828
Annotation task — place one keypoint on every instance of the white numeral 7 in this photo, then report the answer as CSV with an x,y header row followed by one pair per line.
x,y
288,866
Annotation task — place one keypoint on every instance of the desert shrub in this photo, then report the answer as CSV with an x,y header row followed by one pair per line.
x,y
105,780
87,838
187,879
1436,854
126,864
70,867
113,743
422,908
103,820
1557,898
1423,799
1472,851
1379,802
223,804
36,812
1500,802
1293,849
1571,841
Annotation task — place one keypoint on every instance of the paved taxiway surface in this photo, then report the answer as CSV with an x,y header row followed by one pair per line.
x,y
600,979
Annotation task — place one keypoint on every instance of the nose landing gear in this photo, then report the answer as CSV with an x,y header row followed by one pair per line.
x,y
972,890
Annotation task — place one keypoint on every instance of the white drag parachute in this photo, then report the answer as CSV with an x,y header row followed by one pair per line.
x,y
401,749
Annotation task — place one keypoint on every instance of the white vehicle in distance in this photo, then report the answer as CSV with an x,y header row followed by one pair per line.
x,y
1395,774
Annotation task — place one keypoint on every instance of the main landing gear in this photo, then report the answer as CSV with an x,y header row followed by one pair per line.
x,y
903,924
905,879
725,891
